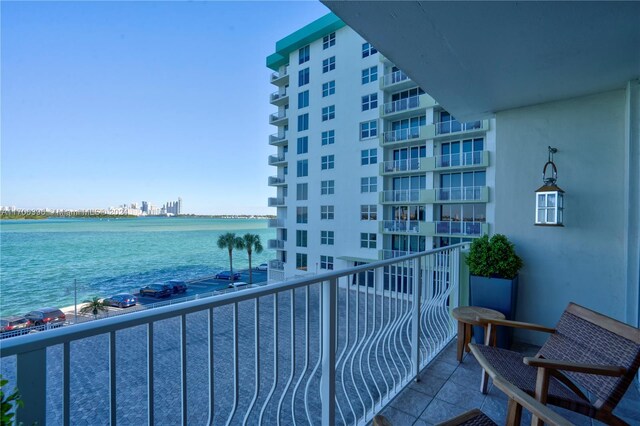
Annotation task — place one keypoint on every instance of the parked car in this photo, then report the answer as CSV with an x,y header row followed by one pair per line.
x,y
262,267
226,275
156,290
237,284
122,300
177,286
14,325
49,316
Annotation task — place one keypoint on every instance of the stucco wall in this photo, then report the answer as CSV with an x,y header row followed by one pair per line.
x,y
584,260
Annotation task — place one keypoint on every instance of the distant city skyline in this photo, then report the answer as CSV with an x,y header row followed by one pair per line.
x,y
105,101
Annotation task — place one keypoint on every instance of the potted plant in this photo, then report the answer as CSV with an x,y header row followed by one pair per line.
x,y
494,265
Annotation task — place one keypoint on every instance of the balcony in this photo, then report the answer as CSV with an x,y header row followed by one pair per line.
x,y
400,196
453,129
278,139
402,227
405,137
456,228
466,194
280,79
466,160
233,358
406,107
279,98
276,265
276,181
275,223
275,244
276,202
278,160
414,165
279,118
396,81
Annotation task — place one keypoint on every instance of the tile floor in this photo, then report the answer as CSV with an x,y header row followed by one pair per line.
x,y
447,388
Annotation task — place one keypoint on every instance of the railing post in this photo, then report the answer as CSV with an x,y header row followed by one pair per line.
x,y
328,382
415,320
32,384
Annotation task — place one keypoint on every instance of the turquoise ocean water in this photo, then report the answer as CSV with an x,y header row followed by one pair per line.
x,y
40,259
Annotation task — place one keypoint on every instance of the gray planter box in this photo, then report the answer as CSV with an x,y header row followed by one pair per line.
x,y
498,294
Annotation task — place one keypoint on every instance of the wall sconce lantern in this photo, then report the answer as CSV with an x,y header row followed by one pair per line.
x,y
549,197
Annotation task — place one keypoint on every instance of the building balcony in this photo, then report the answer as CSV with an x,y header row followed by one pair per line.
x,y
278,139
279,118
456,228
403,227
275,223
279,98
277,160
396,81
277,265
406,107
398,167
454,129
405,137
276,181
280,79
392,254
467,194
276,202
275,244
403,196
451,162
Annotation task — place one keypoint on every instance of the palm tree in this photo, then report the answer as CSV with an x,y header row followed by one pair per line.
x,y
251,242
230,241
93,306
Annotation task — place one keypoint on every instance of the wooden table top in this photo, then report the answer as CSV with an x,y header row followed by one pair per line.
x,y
472,314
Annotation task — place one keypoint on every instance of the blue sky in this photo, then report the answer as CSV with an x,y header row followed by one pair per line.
x,y
106,103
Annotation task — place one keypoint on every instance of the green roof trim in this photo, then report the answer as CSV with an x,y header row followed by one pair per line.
x,y
305,35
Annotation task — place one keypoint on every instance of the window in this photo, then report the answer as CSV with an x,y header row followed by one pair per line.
x,y
367,240
368,50
328,88
285,170
326,262
302,191
369,212
369,75
302,214
301,238
328,41
368,156
303,145
327,162
329,64
303,54
370,102
327,187
369,184
303,122
301,261
303,99
329,113
368,129
326,212
303,168
303,77
328,137
326,238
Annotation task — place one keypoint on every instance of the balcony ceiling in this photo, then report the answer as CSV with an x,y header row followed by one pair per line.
x,y
477,58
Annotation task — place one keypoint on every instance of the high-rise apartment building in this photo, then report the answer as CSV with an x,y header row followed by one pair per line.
x,y
368,165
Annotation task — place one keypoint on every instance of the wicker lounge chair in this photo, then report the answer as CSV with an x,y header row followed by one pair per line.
x,y
586,353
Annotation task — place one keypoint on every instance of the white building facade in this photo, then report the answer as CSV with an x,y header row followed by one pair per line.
x,y
368,166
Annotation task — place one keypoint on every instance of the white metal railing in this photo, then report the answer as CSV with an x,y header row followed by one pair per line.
x,y
276,244
278,265
454,126
402,105
459,227
335,347
465,193
394,77
402,195
276,223
275,201
401,225
407,165
400,135
277,137
275,180
458,159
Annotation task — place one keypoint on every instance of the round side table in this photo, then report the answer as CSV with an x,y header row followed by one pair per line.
x,y
467,317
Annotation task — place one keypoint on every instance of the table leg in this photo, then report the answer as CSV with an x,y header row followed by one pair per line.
x,y
467,336
461,339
